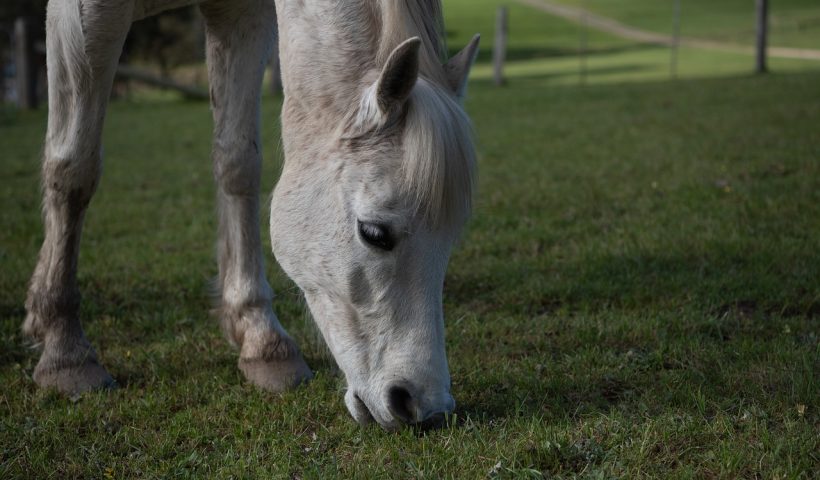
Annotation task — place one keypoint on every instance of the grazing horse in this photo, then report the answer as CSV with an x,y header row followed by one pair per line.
x,y
376,186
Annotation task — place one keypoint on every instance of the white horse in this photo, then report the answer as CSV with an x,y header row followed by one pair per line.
x,y
375,189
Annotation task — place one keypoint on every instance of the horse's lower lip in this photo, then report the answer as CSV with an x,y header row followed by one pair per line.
x,y
358,409
365,408
365,413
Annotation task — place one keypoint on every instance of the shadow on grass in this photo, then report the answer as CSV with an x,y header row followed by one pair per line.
x,y
168,324
565,401
717,307
723,278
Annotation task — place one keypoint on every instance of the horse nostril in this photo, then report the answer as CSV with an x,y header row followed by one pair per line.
x,y
401,404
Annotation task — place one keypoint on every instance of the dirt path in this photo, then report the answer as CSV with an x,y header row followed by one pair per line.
x,y
616,28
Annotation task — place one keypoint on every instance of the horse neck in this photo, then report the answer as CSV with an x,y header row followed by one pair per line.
x,y
331,49
325,46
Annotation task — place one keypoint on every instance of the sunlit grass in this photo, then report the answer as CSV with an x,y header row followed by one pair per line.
x,y
792,23
545,49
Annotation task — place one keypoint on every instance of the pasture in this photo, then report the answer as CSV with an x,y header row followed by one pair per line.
x,y
636,295
792,23
543,49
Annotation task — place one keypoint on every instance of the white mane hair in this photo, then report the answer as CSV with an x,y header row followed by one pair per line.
x,y
438,166
403,19
439,159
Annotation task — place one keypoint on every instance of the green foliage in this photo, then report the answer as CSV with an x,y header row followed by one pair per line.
x,y
11,9
171,39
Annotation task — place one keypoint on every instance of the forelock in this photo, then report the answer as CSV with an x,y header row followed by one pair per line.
x,y
437,169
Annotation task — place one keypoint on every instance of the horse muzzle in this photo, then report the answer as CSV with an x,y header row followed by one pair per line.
x,y
400,405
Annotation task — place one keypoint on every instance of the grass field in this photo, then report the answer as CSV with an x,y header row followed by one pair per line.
x,y
792,23
543,49
637,295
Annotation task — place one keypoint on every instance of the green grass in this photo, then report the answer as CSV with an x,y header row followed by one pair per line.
x,y
544,48
637,294
792,23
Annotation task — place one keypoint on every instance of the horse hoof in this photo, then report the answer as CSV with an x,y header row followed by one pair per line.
x,y
277,375
75,380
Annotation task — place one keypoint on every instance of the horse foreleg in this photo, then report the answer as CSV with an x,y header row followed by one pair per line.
x,y
83,44
239,38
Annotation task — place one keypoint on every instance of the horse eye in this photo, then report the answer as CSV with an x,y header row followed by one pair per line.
x,y
377,235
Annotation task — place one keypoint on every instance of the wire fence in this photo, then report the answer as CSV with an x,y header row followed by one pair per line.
x,y
740,34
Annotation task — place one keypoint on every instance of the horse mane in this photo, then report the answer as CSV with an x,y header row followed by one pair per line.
x,y
403,19
438,168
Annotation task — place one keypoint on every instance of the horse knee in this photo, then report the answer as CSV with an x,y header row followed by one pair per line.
x,y
237,167
72,179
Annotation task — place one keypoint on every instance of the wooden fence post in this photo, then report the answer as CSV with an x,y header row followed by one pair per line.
x,y
673,54
500,46
582,47
25,78
762,32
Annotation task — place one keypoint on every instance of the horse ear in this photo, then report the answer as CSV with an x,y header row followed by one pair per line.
x,y
458,67
399,75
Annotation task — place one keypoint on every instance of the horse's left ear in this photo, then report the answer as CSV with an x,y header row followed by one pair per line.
x,y
399,75
458,67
